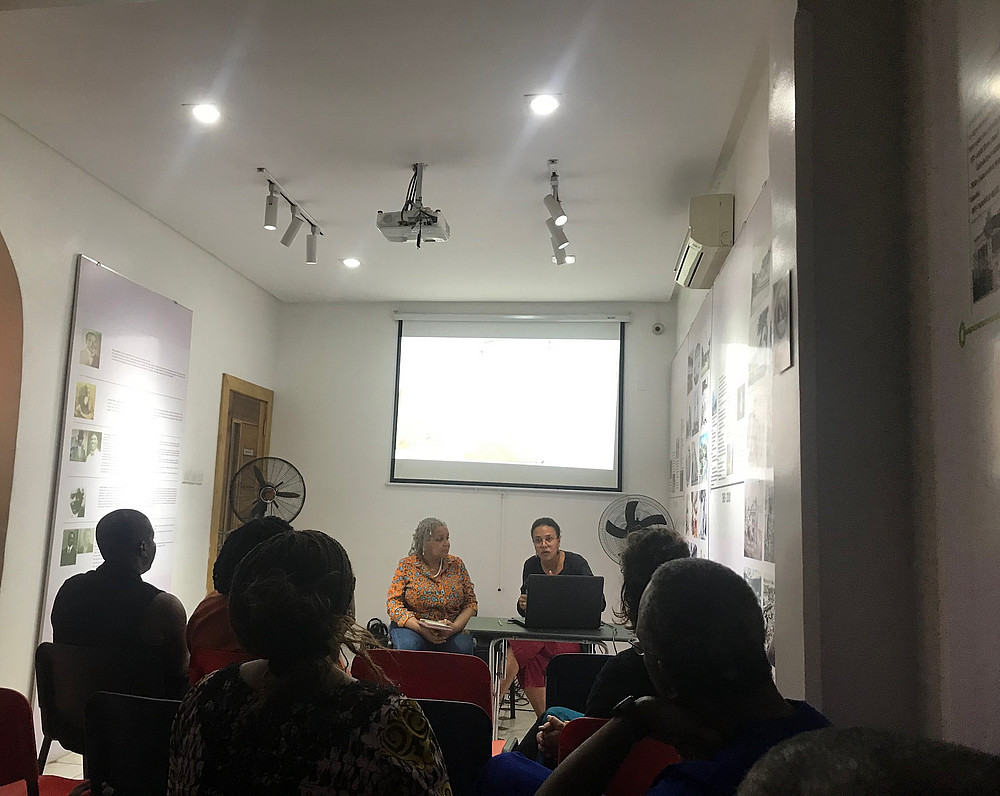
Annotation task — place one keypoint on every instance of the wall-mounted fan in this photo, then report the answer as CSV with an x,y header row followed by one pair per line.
x,y
267,487
627,514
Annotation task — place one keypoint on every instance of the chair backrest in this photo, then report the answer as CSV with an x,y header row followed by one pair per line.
x,y
128,742
68,676
431,675
205,661
464,732
637,772
569,678
17,741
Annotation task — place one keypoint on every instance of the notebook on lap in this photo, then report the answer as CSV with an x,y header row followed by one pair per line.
x,y
564,602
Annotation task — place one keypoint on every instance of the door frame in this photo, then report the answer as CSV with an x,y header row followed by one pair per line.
x,y
220,490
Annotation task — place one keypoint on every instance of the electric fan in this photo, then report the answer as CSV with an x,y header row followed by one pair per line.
x,y
267,487
627,514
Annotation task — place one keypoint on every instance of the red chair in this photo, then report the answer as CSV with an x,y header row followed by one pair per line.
x,y
18,756
205,661
647,758
431,675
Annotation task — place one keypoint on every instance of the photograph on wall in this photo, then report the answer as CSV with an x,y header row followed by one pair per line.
x,y
759,428
767,607
982,130
78,445
90,353
67,556
78,502
86,397
760,281
85,540
753,577
781,323
702,458
755,521
699,514
760,344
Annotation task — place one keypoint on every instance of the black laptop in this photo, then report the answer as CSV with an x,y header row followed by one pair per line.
x,y
564,602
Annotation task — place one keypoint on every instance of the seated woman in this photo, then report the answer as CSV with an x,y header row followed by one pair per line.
x,y
431,597
529,659
293,722
209,627
625,674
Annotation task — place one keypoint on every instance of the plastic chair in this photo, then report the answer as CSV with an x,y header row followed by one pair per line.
x,y
431,675
128,742
67,676
637,772
464,732
205,661
18,759
569,678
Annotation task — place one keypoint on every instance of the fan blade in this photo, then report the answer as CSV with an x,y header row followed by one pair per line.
x,y
652,519
288,494
259,509
260,476
630,508
615,531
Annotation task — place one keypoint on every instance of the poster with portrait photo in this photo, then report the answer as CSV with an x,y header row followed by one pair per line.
x,y
130,348
753,577
781,323
90,350
67,551
86,399
78,502
85,540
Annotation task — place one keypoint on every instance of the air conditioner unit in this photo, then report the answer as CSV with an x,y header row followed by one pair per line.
x,y
708,241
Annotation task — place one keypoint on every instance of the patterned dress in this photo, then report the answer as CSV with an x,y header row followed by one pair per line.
x,y
357,737
414,592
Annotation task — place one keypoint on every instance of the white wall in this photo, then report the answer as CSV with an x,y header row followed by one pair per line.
x,y
957,389
49,211
334,391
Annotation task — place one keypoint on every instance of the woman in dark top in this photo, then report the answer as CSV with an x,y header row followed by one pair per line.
x,y
624,674
529,659
293,722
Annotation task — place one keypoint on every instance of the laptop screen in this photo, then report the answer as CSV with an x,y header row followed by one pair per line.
x,y
572,602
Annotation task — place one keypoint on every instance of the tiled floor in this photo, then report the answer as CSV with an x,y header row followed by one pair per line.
x,y
70,765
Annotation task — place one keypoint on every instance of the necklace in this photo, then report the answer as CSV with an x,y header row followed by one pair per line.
x,y
440,566
556,567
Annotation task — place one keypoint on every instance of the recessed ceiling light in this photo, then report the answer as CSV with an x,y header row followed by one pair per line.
x,y
206,114
351,262
543,104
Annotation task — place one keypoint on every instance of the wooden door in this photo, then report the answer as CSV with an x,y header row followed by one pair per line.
x,y
244,435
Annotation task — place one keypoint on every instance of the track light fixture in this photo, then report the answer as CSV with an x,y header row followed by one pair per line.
x,y
293,227
559,239
551,200
312,244
561,258
299,217
271,208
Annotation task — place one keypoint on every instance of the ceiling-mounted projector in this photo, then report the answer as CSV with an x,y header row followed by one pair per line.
x,y
414,221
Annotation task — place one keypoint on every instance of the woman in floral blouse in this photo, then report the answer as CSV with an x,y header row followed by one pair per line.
x,y
293,722
431,597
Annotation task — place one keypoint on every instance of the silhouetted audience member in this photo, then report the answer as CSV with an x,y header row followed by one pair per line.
x,y
624,674
701,634
863,761
209,627
293,722
112,606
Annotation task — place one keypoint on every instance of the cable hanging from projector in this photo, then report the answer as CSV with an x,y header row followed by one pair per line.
x,y
414,221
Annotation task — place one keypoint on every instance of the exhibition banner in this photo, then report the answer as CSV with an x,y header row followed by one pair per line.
x,y
123,422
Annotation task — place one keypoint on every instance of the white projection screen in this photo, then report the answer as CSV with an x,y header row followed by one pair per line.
x,y
509,403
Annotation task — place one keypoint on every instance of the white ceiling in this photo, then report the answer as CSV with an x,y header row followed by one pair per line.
x,y
338,97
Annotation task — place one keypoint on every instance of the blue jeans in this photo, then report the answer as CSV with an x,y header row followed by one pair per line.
x,y
405,639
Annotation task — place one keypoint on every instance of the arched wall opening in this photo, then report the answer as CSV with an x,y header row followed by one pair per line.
x,y
11,339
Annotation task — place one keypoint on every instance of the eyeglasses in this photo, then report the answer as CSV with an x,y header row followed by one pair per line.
x,y
637,645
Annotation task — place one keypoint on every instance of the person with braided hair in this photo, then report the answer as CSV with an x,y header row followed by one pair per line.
x,y
292,721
